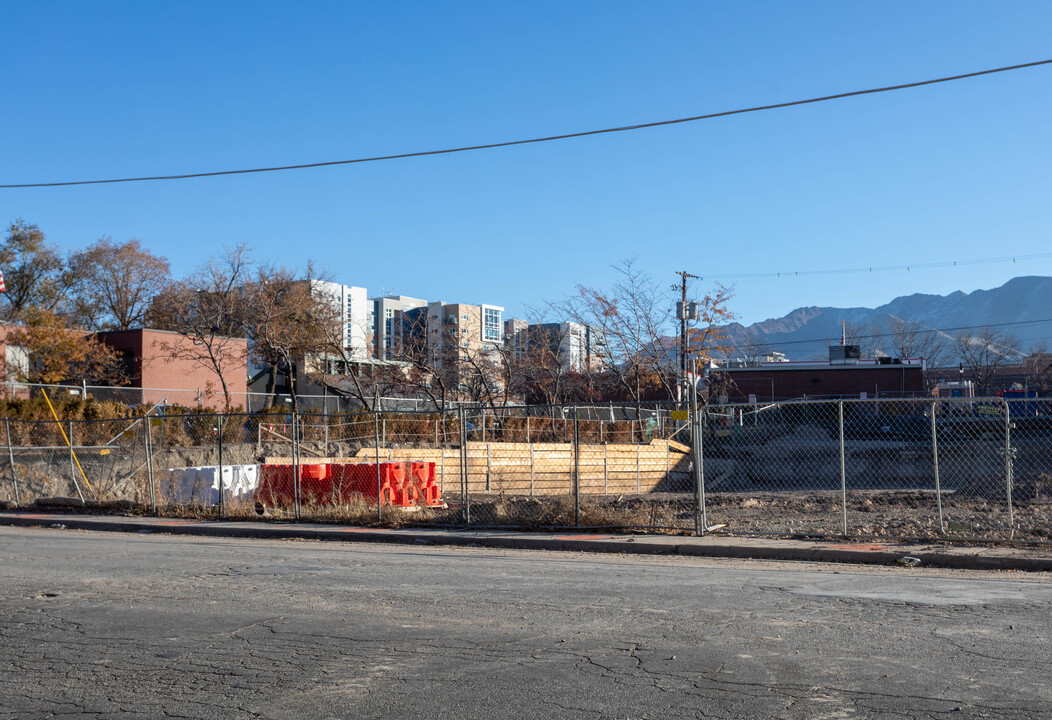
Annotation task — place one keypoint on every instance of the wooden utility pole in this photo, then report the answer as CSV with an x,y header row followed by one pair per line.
x,y
684,313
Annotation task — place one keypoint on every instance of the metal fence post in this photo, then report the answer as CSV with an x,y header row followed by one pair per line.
x,y
668,480
325,419
148,437
296,464
489,488
1008,470
606,473
576,472
531,467
376,434
638,488
465,494
843,467
935,465
701,522
11,458
72,467
219,438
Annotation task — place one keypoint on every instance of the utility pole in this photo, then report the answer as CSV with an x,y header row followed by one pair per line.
x,y
684,312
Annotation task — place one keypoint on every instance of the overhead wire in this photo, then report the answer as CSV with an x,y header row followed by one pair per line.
x,y
907,267
872,336
549,138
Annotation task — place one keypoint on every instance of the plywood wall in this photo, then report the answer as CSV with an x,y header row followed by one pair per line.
x,y
543,468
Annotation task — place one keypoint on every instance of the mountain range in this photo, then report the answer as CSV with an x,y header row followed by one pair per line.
x,y
806,333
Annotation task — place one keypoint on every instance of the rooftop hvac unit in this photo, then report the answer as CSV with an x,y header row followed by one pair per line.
x,y
844,354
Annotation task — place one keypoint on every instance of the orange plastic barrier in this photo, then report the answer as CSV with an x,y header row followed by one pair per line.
x,y
340,483
422,474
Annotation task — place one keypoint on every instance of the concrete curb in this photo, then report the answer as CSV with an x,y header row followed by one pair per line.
x,y
1030,559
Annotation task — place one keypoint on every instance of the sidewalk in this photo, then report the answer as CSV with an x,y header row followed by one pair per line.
x,y
934,554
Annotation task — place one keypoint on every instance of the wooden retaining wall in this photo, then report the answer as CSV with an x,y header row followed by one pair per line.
x,y
542,468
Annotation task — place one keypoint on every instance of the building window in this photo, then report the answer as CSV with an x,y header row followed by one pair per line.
x,y
491,325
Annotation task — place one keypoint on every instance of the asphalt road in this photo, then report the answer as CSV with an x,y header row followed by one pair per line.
x,y
97,625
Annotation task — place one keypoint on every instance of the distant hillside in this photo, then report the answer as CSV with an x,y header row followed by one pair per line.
x,y
806,333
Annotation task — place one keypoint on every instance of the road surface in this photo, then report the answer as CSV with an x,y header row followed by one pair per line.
x,y
99,625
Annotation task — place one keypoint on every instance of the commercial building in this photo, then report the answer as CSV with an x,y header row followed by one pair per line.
x,y
169,367
845,375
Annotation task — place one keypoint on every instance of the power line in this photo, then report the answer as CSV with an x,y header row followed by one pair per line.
x,y
884,268
549,138
871,336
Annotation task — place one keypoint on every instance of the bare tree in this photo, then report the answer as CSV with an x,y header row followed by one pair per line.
x,y
540,363
911,339
753,349
339,369
34,273
433,367
863,335
636,319
209,309
113,285
1037,367
983,353
288,323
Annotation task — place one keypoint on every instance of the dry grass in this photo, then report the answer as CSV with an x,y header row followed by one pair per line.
x,y
559,511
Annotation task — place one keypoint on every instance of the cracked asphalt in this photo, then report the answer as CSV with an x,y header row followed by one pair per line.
x,y
100,625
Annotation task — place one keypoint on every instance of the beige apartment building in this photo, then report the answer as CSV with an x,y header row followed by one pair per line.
x,y
457,331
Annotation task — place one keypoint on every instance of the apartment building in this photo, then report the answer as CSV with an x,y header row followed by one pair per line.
x,y
516,336
388,323
579,347
354,310
455,331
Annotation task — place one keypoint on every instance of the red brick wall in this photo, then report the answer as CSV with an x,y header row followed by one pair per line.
x,y
163,360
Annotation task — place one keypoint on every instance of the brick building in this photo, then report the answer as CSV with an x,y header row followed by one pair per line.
x,y
160,365
845,375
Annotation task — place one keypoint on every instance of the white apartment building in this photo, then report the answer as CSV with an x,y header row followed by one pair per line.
x,y
580,347
354,309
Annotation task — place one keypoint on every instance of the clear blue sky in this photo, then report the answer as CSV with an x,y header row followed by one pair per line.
x,y
957,171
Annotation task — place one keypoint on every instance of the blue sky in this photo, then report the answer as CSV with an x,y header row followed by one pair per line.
x,y
959,171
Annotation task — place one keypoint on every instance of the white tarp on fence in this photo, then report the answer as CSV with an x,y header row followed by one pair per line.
x,y
201,484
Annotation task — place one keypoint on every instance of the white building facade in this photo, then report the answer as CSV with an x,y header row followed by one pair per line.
x,y
355,307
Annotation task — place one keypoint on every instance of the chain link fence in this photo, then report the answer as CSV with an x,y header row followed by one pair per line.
x,y
905,468
954,468
212,397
